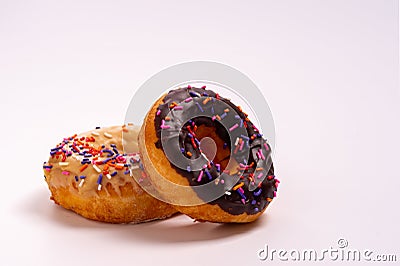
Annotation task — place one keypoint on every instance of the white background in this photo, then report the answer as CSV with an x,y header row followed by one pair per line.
x,y
328,69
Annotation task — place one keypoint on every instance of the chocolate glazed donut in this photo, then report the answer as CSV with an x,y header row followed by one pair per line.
x,y
241,169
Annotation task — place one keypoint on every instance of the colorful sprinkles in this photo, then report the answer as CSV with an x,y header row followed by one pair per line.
x,y
105,160
256,186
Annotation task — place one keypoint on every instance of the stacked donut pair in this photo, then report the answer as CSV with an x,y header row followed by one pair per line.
x,y
196,153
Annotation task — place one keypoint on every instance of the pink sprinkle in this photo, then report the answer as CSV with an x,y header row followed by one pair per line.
x,y
260,175
261,154
213,118
203,87
276,184
241,146
163,126
258,155
241,190
158,112
274,193
243,201
222,181
189,87
255,128
178,107
266,146
65,172
234,127
242,165
47,169
200,176
188,99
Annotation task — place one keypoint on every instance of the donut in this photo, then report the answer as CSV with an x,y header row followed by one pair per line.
x,y
90,174
234,183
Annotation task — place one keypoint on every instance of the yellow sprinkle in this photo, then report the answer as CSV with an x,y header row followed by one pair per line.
x,y
218,117
269,199
226,110
108,135
189,154
95,134
238,186
63,163
167,118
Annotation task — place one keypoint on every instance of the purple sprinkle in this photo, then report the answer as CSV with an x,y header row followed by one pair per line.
x,y
194,94
127,172
114,173
223,115
82,177
188,99
256,209
257,193
100,179
253,202
76,178
199,106
208,174
106,160
241,194
245,137
188,168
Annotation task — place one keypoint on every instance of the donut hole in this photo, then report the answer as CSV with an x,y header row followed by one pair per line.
x,y
221,154
208,147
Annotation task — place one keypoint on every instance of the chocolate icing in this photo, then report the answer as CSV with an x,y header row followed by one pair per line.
x,y
233,202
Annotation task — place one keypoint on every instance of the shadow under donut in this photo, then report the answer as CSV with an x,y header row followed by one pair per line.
x,y
178,228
